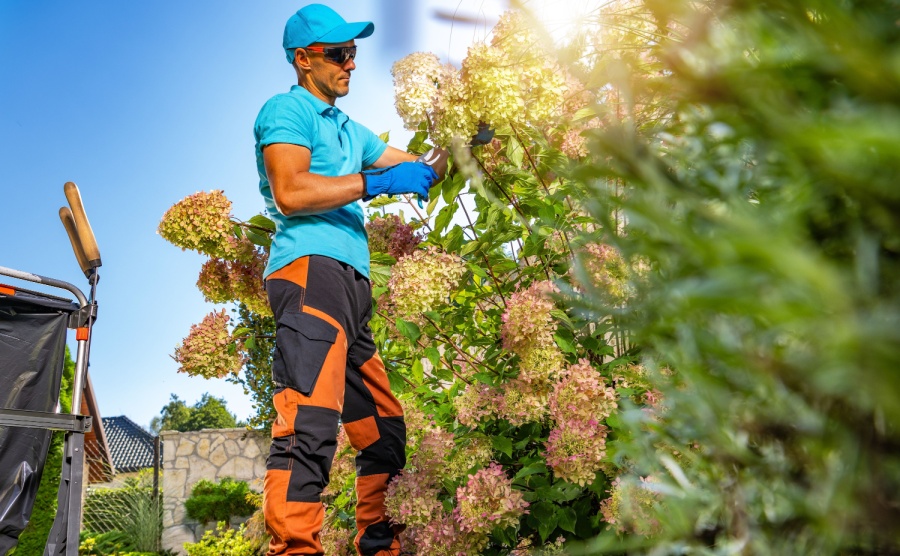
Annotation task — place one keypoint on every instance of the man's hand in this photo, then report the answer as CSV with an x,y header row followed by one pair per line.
x,y
406,177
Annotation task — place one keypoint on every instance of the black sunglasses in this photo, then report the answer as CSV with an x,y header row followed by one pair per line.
x,y
336,54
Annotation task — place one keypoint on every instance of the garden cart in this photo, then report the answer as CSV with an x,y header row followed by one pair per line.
x,y
33,331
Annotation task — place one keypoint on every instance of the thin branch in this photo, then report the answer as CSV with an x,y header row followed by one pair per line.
x,y
452,344
422,219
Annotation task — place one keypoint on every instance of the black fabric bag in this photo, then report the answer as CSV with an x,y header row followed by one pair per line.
x,y
32,355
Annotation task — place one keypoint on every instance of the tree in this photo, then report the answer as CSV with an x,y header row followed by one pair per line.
x,y
208,413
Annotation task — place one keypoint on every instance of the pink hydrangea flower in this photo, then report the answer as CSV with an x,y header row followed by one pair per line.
x,y
582,395
223,281
424,281
202,222
524,401
575,450
527,322
476,402
388,234
444,536
412,498
603,268
208,349
489,500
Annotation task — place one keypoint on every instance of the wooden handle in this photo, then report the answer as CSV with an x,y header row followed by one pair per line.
x,y
82,226
69,223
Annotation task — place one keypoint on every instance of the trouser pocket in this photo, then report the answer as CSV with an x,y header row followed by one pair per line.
x,y
302,342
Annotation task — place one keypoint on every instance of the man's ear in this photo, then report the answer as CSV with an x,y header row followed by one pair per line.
x,y
301,59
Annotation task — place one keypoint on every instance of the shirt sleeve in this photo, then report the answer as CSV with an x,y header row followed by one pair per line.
x,y
373,147
284,120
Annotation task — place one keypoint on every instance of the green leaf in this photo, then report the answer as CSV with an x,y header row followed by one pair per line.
x,y
453,239
471,247
378,291
542,516
514,152
382,201
476,269
502,444
562,317
382,259
444,217
261,239
432,203
566,517
563,491
417,144
565,340
380,274
263,222
433,355
397,382
585,113
506,535
408,329
539,467
452,187
505,266
547,526
533,245
418,371
386,136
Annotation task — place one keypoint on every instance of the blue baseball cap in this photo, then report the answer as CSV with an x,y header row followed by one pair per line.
x,y
319,23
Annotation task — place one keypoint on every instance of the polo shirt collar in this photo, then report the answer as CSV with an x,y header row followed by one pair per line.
x,y
318,104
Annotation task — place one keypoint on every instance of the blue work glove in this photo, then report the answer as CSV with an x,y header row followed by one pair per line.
x,y
406,177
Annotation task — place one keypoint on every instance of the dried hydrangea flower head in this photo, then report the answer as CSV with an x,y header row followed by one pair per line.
x,y
202,222
207,351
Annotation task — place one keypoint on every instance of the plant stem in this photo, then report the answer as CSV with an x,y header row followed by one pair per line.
x,y
452,344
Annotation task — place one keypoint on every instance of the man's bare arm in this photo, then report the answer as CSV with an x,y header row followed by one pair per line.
x,y
297,191
393,156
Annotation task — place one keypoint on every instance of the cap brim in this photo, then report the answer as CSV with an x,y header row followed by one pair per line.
x,y
348,32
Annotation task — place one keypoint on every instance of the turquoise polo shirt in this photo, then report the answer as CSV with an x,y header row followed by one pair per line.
x,y
339,146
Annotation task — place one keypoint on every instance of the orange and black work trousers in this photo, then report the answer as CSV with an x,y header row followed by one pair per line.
x,y
326,370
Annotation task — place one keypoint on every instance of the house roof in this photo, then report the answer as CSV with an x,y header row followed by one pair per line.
x,y
96,447
130,445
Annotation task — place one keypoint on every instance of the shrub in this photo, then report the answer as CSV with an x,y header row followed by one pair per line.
x,y
220,501
222,541
104,544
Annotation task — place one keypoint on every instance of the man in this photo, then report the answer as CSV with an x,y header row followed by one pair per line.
x,y
310,157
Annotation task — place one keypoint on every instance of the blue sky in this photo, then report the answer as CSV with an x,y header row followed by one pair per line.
x,y
142,104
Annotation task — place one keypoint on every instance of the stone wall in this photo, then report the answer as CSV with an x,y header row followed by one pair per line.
x,y
210,454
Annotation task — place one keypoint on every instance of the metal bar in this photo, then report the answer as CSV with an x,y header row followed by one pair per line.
x,y
38,279
75,493
43,420
81,355
63,538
